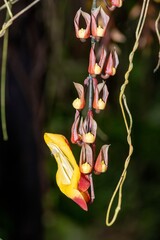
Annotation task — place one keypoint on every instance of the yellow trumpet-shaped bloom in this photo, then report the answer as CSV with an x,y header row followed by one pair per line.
x,y
68,174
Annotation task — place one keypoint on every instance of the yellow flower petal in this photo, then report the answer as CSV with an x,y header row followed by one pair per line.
x,y
68,173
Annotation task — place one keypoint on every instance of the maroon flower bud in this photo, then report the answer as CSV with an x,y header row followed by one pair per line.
x,y
79,103
86,159
101,163
95,68
100,96
99,22
111,65
89,129
112,4
82,33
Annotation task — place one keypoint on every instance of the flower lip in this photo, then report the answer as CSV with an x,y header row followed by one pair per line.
x,y
65,167
68,174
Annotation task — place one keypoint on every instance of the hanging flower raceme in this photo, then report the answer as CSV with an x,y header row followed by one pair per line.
x,y
82,33
112,4
101,163
95,68
111,65
79,103
99,22
100,96
68,176
89,129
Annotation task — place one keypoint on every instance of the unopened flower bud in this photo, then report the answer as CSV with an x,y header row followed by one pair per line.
x,y
101,163
79,102
86,159
97,15
82,33
95,68
111,65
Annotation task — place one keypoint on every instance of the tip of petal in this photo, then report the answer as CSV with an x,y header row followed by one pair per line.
x,y
81,202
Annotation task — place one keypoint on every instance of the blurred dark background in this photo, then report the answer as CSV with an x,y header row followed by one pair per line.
x,y
44,58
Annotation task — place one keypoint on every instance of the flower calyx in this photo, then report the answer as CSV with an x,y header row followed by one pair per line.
x,y
79,102
100,96
99,22
86,159
111,65
101,163
89,129
82,33
95,68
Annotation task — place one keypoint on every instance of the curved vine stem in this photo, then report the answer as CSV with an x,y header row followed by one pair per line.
x,y
126,114
158,36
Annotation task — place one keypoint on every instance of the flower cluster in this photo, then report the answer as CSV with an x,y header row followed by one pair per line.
x,y
84,127
76,181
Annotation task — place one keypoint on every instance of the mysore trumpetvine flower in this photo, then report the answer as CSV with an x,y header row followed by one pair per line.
x,y
101,163
99,22
79,102
76,129
86,159
89,129
68,176
111,65
100,96
82,33
95,68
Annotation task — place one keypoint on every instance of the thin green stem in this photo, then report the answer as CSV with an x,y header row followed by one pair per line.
x,y
8,8
3,85
5,5
90,88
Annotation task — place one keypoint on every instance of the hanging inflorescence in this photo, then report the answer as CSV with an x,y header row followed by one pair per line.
x,y
74,180
84,128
